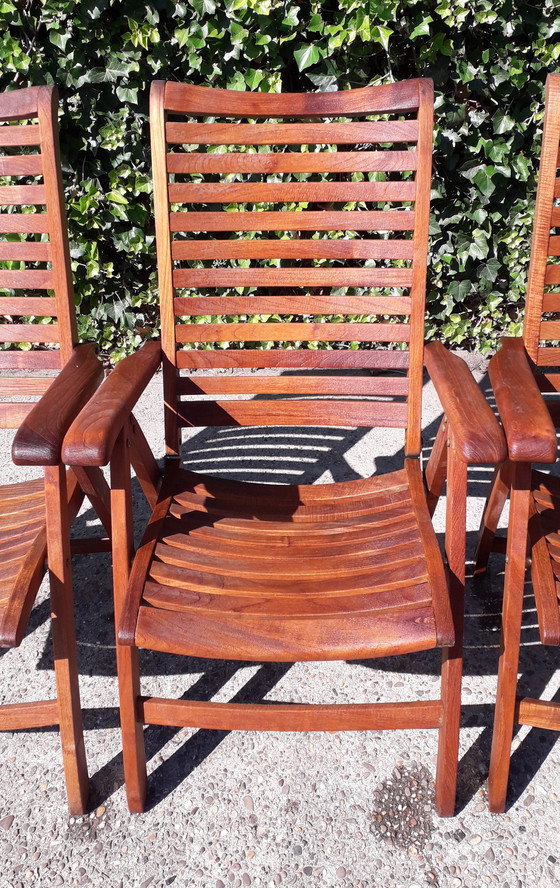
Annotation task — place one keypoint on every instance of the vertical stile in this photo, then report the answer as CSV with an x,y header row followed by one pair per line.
x,y
163,239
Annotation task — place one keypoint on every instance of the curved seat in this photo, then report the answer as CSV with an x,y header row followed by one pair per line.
x,y
272,572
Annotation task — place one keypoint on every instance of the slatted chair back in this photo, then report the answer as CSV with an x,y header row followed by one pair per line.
x,y
541,331
278,217
36,294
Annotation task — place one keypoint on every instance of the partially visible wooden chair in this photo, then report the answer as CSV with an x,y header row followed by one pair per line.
x,y
257,572
526,382
35,515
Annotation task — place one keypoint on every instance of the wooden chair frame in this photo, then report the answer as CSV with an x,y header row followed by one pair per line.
x,y
105,433
521,381
36,516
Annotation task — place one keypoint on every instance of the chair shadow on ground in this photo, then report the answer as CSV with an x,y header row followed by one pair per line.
x,y
302,456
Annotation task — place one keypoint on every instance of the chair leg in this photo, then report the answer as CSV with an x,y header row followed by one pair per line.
x,y
134,756
452,658
514,581
64,640
436,469
491,516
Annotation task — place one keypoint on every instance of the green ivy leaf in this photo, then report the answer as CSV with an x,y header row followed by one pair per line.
x,y
306,56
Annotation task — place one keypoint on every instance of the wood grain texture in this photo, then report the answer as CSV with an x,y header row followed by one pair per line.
x,y
306,220
292,162
289,304
291,134
293,248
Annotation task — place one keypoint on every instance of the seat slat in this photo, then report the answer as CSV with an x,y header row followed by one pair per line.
x,y
352,414
332,359
251,332
22,195
24,223
290,192
275,385
294,162
28,305
306,305
21,165
20,135
30,279
349,133
24,385
13,414
39,359
307,220
292,248
294,277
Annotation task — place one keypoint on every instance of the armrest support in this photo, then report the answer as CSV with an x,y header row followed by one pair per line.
x,y
38,441
530,432
476,432
91,438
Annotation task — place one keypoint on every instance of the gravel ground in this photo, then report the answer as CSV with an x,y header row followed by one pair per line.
x,y
256,809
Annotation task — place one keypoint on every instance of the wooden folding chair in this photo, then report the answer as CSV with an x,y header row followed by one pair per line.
x,y
526,382
267,572
35,515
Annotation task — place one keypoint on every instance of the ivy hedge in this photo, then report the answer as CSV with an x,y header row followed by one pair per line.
x,y
488,58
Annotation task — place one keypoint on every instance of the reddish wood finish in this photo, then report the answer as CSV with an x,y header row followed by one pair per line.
x,y
529,425
269,572
35,515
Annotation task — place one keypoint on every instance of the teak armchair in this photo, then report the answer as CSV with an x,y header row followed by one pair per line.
x,y
524,373
35,515
257,572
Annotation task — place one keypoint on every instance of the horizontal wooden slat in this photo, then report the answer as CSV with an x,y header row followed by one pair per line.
x,y
249,332
20,195
290,716
292,248
293,412
30,279
24,223
38,359
551,302
290,277
235,305
554,246
549,330
18,716
278,385
386,359
28,305
289,192
391,97
552,275
29,333
20,135
349,220
24,385
293,162
555,218
548,357
548,382
25,251
557,188
21,165
538,713
291,133
12,414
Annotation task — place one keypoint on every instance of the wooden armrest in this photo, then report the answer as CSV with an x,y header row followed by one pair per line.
x,y
38,441
476,432
530,432
92,435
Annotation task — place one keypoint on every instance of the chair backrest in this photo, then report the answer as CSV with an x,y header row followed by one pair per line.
x,y
36,294
542,309
265,209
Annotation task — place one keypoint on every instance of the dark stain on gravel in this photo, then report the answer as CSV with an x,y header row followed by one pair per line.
x,y
403,806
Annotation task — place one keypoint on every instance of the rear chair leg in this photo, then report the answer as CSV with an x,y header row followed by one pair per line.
x,y
452,658
492,512
64,640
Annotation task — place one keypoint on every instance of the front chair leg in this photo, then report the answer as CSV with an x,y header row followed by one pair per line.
x,y
452,658
134,755
492,511
64,640
512,612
